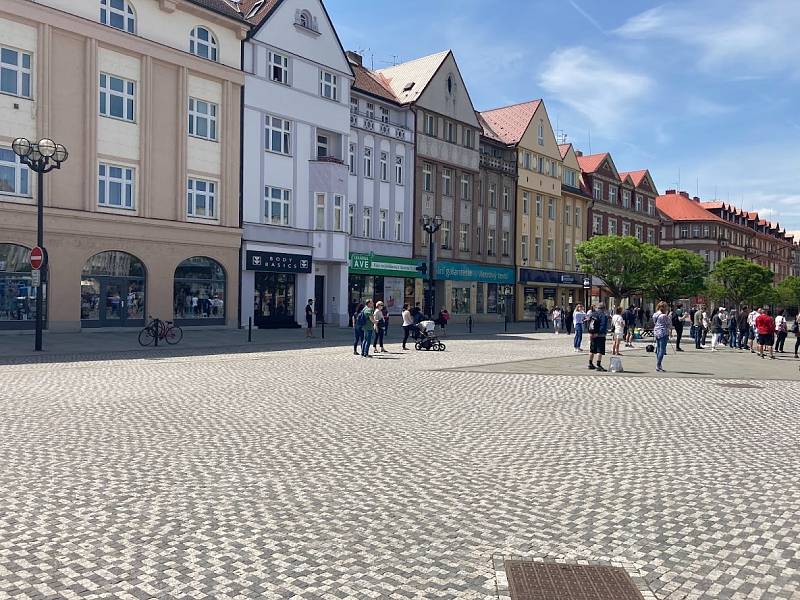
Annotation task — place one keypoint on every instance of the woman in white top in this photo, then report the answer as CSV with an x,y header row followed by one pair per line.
x,y
618,323
577,320
408,324
556,320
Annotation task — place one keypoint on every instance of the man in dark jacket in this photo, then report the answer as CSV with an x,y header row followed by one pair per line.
x,y
597,335
742,327
677,325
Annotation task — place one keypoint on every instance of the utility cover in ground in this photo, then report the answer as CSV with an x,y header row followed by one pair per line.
x,y
529,580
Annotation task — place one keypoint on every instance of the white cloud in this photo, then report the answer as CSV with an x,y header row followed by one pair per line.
x,y
742,39
604,92
703,107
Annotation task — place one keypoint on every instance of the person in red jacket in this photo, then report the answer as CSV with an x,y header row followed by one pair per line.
x,y
765,332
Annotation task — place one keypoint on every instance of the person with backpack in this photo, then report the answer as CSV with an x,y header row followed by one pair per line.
x,y
677,325
366,322
578,318
358,329
598,330
661,323
781,331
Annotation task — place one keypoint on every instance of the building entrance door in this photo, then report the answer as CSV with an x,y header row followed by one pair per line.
x,y
319,297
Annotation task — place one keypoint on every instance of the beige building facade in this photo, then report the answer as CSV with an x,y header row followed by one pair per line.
x,y
143,217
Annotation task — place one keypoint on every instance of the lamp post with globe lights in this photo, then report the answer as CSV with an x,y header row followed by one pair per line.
x,y
42,156
431,225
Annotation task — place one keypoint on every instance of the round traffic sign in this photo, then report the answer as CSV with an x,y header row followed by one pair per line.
x,y
37,257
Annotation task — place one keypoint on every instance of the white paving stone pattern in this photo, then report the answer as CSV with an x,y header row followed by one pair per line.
x,y
316,474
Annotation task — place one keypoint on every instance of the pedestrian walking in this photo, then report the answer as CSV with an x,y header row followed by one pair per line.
x,y
597,327
796,332
408,324
698,328
692,330
765,332
310,318
629,316
706,325
568,319
677,325
732,329
781,331
618,325
661,323
442,319
358,328
380,327
385,311
369,327
716,328
751,325
577,321
556,317
742,328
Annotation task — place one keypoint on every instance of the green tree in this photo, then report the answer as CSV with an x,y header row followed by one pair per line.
x,y
621,262
789,291
743,281
674,274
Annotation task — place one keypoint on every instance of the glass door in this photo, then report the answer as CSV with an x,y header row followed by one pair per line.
x,y
121,302
114,304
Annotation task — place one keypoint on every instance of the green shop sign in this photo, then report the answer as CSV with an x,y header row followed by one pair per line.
x,y
389,266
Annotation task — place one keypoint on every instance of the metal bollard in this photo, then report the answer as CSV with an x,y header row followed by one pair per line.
x,y
505,323
157,327
469,322
323,329
250,329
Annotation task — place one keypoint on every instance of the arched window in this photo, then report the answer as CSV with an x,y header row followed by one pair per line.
x,y
118,14
113,290
200,291
202,43
17,295
305,19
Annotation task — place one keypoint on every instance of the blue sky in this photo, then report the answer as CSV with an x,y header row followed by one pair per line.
x,y
705,91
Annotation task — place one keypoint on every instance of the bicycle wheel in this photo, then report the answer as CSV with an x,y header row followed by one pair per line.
x,y
146,336
174,334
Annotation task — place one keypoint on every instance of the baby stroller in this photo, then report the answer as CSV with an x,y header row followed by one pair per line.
x,y
427,339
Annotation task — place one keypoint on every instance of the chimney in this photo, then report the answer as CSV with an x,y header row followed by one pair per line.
x,y
669,192
355,58
696,199
684,194
578,153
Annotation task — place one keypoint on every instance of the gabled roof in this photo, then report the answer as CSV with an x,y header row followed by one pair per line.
x,y
256,12
487,131
626,178
590,164
372,83
636,176
509,123
409,79
563,149
680,208
713,205
222,7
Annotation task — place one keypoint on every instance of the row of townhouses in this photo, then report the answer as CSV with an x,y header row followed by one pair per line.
x,y
229,160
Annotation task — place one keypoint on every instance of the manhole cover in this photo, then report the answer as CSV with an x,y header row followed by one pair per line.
x,y
748,386
529,580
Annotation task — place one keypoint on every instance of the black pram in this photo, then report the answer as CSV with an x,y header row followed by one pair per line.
x,y
428,339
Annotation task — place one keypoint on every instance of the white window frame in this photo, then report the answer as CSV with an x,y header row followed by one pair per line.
x,y
320,199
430,125
126,181
626,229
524,245
490,242
127,13
538,205
22,175
384,114
506,198
338,210
211,46
639,232
196,116
284,202
567,214
22,77
194,192
351,218
466,185
612,194
128,97
597,190
368,162
447,182
551,209
537,249
384,166
370,113
463,237
446,229
352,159
506,243
323,146
367,222
651,235
329,85
626,198
492,195
526,202
398,170
612,226
550,250
597,224
567,253
540,133
283,127
638,206
278,63
427,177
398,226
383,217
577,216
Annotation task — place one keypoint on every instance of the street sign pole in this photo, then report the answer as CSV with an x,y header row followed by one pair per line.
x,y
39,244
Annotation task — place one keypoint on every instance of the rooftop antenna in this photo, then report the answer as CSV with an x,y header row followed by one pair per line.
x,y
590,141
697,188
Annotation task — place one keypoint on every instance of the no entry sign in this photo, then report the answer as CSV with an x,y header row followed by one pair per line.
x,y
37,257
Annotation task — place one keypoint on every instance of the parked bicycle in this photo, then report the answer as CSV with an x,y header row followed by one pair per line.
x,y
157,330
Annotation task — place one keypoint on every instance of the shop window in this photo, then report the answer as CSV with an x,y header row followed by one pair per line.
x,y
200,290
17,295
460,304
113,290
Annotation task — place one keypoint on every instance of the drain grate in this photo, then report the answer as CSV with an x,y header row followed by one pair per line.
x,y
530,580
747,386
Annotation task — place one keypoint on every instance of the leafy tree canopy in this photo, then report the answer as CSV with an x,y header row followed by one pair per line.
x,y
674,274
743,281
621,262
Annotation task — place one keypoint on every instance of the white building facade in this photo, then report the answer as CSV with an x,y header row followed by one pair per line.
x,y
380,211
295,177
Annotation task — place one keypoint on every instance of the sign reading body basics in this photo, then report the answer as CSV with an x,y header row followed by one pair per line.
x,y
278,262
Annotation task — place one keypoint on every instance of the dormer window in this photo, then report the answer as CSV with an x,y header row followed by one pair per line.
x,y
203,44
118,14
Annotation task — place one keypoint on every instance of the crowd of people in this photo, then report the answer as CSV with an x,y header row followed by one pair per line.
x,y
744,329
371,323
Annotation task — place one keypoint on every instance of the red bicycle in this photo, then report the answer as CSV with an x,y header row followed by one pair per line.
x,y
157,329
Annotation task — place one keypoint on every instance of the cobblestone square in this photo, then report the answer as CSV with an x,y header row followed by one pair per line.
x,y
317,474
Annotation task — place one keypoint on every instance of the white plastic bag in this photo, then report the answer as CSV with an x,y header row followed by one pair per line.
x,y
616,365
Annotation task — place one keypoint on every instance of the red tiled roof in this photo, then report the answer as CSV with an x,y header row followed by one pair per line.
x,y
509,123
681,208
624,176
712,205
563,149
253,13
638,176
371,83
590,164
220,6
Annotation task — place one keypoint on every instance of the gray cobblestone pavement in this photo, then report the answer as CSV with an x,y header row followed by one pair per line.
x,y
313,473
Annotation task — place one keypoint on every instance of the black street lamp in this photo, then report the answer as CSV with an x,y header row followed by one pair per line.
x,y
42,156
431,225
